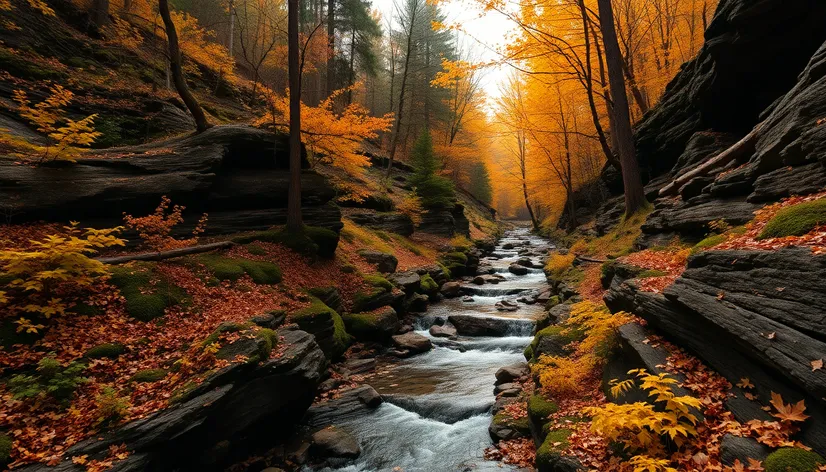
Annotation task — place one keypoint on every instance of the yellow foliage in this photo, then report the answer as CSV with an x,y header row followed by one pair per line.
x,y
58,261
558,264
600,327
42,7
197,44
330,137
649,464
639,426
564,375
50,118
411,206
155,229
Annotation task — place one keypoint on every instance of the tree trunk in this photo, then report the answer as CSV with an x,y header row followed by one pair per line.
x,y
163,255
177,69
294,221
634,195
394,140
100,12
231,43
331,45
352,78
589,88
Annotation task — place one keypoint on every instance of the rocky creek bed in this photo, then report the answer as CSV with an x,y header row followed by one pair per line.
x,y
437,406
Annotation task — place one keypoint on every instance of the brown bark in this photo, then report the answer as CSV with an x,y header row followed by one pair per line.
x,y
190,101
294,220
394,140
100,12
163,255
331,45
634,195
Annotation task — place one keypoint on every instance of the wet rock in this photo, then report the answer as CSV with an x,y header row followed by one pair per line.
x,y
511,373
417,303
384,262
377,325
479,280
333,442
508,246
443,331
370,397
468,299
469,325
525,262
734,448
485,268
506,305
451,289
408,281
360,366
412,342
517,269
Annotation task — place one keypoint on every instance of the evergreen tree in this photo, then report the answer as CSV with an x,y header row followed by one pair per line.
x,y
480,186
436,191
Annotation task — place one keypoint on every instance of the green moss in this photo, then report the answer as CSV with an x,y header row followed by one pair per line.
x,y
256,250
310,241
371,326
796,220
521,425
528,352
428,285
84,309
708,242
105,350
790,459
6,444
651,273
18,66
225,268
444,268
149,375
270,338
364,300
566,335
225,327
455,257
606,270
146,300
555,442
379,282
315,318
552,302
540,408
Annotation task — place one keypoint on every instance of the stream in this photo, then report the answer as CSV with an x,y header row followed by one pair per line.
x,y
436,412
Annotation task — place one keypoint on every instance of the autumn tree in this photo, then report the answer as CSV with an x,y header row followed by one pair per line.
x,y
176,65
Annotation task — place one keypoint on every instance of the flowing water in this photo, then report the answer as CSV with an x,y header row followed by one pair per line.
x,y
437,405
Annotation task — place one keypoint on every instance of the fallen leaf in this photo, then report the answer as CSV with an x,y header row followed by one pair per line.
x,y
817,364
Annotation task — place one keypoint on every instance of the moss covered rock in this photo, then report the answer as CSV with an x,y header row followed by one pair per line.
x,y
149,375
791,459
147,293
378,325
540,408
796,220
428,285
232,269
554,341
505,427
326,325
548,455
105,350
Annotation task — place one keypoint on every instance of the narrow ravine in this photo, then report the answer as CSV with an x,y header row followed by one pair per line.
x,y
436,412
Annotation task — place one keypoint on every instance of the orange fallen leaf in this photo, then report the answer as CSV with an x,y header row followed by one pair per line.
x,y
817,364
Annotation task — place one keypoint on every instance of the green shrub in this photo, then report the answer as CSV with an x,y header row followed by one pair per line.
x,y
790,459
146,301
6,444
110,408
149,375
435,190
105,350
540,408
796,220
225,268
50,379
555,442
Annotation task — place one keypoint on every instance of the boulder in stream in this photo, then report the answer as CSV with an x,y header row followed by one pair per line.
x,y
413,343
333,442
443,331
517,269
451,289
470,325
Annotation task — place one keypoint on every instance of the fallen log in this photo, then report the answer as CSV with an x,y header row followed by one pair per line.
x,y
162,255
588,259
737,150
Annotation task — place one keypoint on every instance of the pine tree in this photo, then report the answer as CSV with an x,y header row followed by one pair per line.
x,y
436,192
480,186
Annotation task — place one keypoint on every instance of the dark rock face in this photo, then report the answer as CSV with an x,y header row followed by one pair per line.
x,y
231,408
385,263
753,314
511,373
445,222
333,442
715,90
409,281
734,448
691,218
236,174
